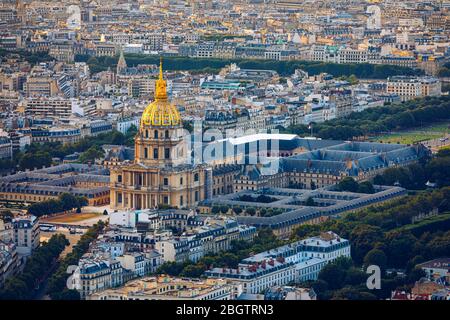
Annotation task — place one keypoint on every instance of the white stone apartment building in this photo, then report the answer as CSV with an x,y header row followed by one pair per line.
x,y
409,88
295,262
26,234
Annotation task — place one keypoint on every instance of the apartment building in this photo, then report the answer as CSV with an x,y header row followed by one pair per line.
x,y
48,107
409,88
203,240
6,148
141,87
169,288
9,261
295,262
93,275
41,86
352,56
26,234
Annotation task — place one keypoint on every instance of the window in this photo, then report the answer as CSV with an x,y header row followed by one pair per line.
x,y
145,153
181,201
166,200
155,134
181,181
146,133
119,178
196,195
166,134
155,153
167,153
196,177
166,181
119,198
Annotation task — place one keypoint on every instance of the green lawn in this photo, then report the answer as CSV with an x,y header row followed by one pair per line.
x,y
439,127
406,138
419,134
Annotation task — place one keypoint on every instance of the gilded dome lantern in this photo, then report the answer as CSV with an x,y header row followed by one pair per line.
x,y
161,113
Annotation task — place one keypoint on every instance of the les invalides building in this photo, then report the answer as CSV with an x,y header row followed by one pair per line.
x,y
159,174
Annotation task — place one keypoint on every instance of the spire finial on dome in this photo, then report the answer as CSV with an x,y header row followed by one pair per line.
x,y
160,90
160,69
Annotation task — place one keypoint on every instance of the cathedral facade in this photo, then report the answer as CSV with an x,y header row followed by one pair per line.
x,y
161,173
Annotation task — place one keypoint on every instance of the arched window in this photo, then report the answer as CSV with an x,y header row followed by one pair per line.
x,y
196,177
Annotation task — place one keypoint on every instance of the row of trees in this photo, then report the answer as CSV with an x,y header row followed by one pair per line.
x,y
378,120
32,58
284,68
65,202
444,71
23,286
349,184
262,198
263,212
387,237
40,155
343,280
57,284
416,176
388,228
265,240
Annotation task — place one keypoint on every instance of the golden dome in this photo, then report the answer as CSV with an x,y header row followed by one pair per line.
x,y
161,112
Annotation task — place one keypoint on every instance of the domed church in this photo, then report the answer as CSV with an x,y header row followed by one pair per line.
x,y
161,174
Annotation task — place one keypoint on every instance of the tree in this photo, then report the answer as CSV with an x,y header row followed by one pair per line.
x,y
68,201
349,293
193,271
69,294
250,211
229,259
117,138
415,275
333,276
376,257
14,289
366,187
6,215
310,202
215,209
399,248
319,287
363,238
57,282
348,184
36,160
171,268
90,155
224,209
354,276
130,135
237,210
307,230
262,212
438,170
22,286
353,79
